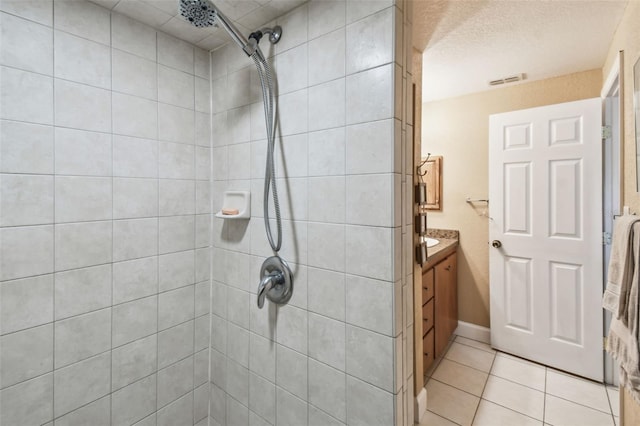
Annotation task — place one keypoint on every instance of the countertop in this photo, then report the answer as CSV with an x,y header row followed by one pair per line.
x,y
444,248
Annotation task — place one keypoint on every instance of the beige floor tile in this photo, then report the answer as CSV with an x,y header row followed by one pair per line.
x,y
515,397
460,376
530,375
577,390
432,368
475,344
451,403
472,357
560,412
432,419
614,400
490,414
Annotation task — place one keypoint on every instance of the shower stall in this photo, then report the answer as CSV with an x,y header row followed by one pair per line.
x,y
123,298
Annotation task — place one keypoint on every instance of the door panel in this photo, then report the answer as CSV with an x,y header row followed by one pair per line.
x,y
518,293
566,131
546,278
517,136
566,302
517,198
566,198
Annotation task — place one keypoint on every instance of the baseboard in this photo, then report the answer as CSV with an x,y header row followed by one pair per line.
x,y
473,331
421,405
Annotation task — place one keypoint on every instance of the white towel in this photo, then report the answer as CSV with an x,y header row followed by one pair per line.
x,y
622,341
621,266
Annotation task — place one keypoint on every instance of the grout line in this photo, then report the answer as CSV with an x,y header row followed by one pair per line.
x,y
53,275
308,210
457,388
610,404
488,373
578,403
484,388
50,422
517,383
443,417
195,266
491,350
29,19
112,215
157,289
544,400
510,409
76,269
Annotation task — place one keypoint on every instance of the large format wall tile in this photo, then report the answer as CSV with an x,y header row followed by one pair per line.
x,y
134,75
81,60
26,45
101,181
26,148
26,96
26,354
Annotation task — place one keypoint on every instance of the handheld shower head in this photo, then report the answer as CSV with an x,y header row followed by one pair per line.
x,y
200,13
203,13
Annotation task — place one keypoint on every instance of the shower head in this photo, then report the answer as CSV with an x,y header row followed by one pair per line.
x,y
203,13
200,13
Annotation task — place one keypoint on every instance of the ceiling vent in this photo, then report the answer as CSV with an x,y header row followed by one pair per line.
x,y
510,79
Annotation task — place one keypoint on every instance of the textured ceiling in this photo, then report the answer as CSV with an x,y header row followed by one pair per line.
x,y
164,15
467,43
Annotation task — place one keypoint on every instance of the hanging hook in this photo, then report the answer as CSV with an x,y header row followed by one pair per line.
x,y
421,175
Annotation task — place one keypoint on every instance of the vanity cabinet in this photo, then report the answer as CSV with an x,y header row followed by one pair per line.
x,y
439,308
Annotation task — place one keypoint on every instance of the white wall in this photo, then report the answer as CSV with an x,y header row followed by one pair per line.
x,y
104,220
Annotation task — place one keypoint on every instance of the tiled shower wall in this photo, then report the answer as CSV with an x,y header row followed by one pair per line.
x,y
337,353
104,220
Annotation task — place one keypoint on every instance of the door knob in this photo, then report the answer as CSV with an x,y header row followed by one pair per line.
x,y
496,243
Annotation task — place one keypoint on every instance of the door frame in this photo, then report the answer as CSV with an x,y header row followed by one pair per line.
x,y
612,178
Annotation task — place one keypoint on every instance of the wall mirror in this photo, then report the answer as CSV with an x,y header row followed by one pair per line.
x,y
431,174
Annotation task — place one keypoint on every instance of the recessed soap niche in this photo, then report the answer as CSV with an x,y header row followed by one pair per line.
x,y
236,200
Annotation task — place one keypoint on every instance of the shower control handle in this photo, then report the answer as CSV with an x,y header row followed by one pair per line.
x,y
276,282
267,284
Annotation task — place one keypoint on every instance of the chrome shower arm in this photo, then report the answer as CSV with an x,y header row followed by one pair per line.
x,y
236,35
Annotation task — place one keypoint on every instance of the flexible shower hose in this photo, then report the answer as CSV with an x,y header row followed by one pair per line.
x,y
270,114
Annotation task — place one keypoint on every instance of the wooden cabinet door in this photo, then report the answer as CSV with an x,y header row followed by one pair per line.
x,y
446,302
427,347
427,286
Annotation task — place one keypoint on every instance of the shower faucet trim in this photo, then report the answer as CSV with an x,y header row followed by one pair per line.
x,y
276,283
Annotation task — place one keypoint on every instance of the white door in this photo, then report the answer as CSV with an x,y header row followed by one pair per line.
x,y
545,189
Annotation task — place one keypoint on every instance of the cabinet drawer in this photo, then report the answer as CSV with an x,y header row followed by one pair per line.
x,y
427,316
427,350
427,285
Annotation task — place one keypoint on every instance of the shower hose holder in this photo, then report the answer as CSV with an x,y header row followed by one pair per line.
x,y
276,283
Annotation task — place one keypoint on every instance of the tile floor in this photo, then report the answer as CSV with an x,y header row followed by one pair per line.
x,y
473,384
